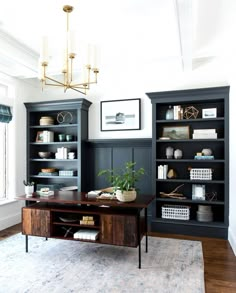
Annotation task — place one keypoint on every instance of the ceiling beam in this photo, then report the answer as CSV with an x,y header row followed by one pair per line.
x,y
184,18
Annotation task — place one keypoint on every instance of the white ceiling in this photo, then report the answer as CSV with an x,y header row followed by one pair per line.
x,y
167,34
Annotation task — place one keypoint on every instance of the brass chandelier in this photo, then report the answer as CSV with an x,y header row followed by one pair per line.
x,y
67,80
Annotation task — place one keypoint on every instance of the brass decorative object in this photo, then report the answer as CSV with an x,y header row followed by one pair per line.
x,y
67,81
190,112
171,174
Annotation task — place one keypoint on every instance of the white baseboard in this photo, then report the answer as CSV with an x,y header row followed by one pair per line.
x,y
10,221
10,215
232,240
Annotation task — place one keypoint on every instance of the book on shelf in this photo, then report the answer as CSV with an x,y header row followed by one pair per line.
x,y
48,136
86,234
62,153
162,171
177,111
210,130
204,157
204,133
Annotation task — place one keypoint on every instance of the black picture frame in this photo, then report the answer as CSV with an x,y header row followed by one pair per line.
x,y
120,115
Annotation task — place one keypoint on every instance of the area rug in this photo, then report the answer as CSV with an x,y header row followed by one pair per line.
x,y
170,266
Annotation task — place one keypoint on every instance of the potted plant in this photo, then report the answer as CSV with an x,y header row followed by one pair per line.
x,y
29,187
123,180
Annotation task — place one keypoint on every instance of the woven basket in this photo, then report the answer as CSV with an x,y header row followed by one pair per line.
x,y
126,196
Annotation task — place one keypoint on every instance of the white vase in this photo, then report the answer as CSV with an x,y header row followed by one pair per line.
x,y
29,190
126,196
178,154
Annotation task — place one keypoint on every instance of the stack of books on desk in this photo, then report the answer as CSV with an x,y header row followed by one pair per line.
x,y
86,234
87,220
204,134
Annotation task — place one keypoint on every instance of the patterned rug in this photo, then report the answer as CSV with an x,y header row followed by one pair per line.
x,y
170,266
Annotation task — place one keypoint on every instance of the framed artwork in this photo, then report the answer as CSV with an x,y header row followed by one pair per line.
x,y
121,115
209,113
175,132
198,192
39,136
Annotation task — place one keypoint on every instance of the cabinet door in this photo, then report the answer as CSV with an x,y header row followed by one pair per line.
x,y
36,222
119,230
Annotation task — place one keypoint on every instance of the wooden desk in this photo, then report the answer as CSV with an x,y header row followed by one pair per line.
x,y
117,223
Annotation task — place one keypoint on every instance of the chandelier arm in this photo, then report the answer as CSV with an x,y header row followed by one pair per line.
x,y
54,80
75,89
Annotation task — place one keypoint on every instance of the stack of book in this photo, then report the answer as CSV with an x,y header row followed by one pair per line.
x,y
86,234
178,112
162,171
48,136
204,157
204,134
87,220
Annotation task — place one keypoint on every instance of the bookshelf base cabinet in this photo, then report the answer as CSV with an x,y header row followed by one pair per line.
x,y
190,161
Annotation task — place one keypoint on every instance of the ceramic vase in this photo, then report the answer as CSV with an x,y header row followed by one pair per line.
x,y
178,154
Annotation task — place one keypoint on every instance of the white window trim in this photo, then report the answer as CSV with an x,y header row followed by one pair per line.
x,y
10,163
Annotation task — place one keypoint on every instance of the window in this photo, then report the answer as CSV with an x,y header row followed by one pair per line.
x,y
7,178
3,160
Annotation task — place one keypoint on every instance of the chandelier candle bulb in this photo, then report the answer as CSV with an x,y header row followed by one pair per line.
x,y
44,49
89,54
71,42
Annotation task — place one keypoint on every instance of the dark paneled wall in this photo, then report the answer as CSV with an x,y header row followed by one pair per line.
x,y
113,153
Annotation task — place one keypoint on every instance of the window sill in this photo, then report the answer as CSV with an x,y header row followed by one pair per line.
x,y
6,201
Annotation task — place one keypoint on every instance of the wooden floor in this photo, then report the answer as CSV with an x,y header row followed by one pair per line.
x,y
219,260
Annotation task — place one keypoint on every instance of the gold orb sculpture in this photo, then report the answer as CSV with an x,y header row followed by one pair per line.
x,y
190,112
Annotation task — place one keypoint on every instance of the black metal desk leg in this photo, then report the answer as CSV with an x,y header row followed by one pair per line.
x,y
146,229
139,240
26,243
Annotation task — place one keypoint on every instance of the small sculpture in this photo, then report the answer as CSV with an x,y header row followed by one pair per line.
x,y
190,112
171,174
169,152
207,152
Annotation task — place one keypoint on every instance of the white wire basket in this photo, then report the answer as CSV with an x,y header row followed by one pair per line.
x,y
201,174
177,212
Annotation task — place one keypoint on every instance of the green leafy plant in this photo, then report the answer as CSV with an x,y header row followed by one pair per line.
x,y
28,183
123,178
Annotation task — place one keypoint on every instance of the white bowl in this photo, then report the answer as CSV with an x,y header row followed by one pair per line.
x,y
44,155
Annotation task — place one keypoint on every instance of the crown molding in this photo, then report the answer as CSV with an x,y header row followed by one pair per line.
x,y
16,59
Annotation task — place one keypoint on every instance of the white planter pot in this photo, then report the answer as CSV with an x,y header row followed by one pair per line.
x,y
29,190
126,196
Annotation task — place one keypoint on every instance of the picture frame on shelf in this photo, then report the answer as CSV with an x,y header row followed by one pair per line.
x,y
117,115
39,136
209,113
198,192
176,132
